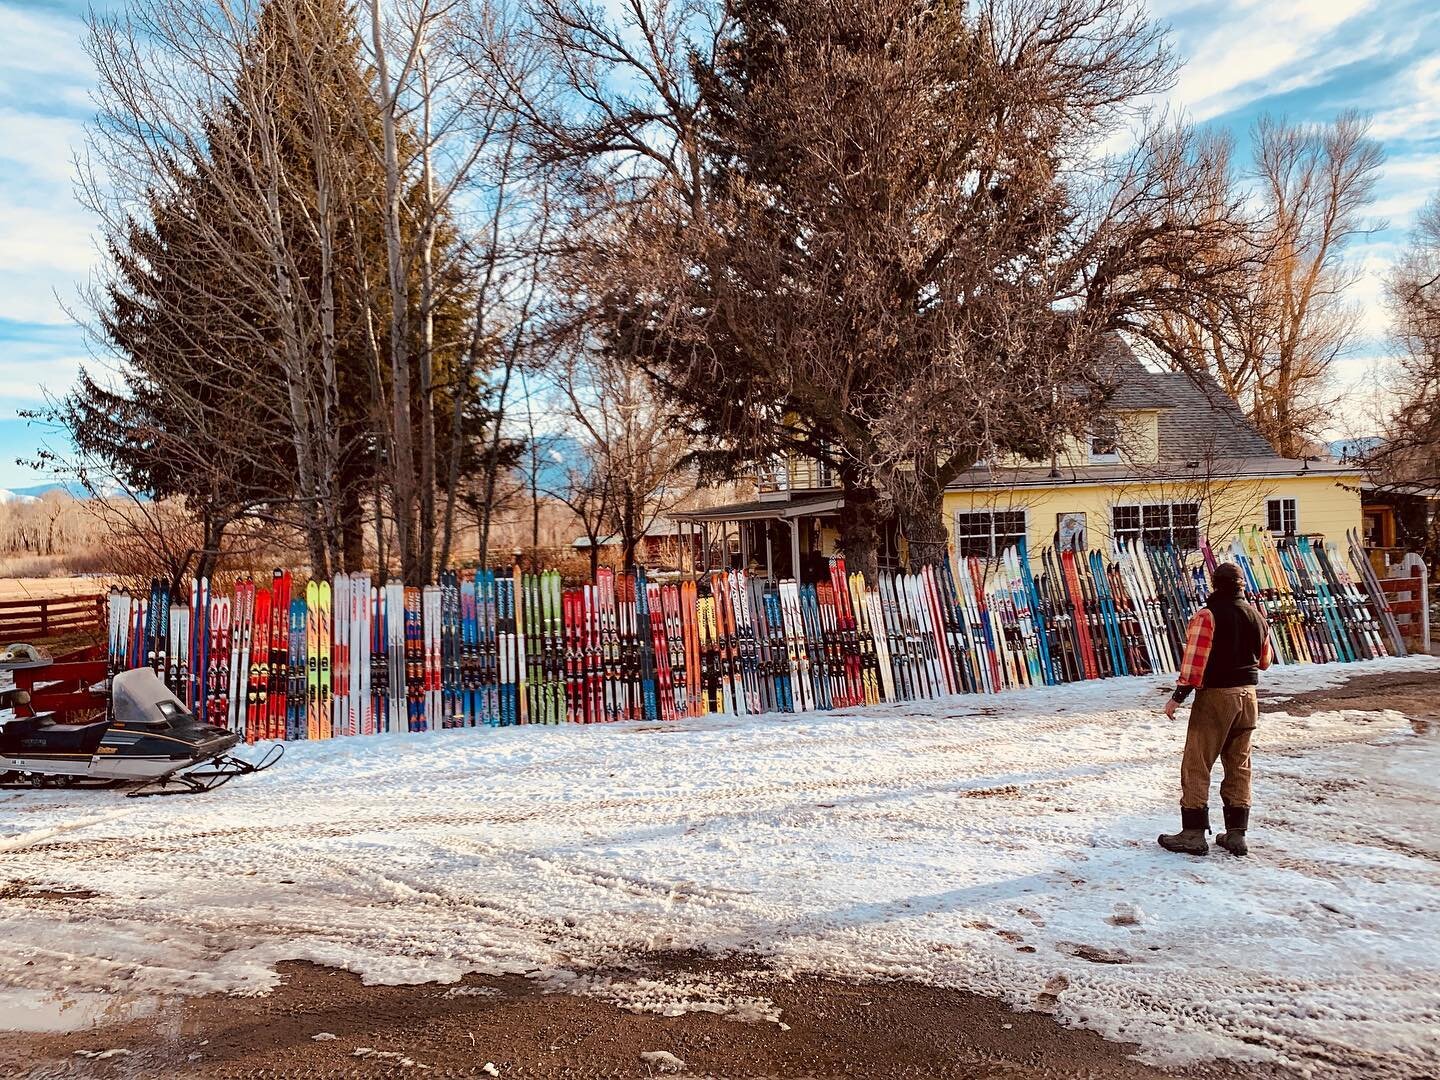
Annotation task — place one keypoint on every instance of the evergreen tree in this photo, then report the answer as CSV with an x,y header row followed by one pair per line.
x,y
242,297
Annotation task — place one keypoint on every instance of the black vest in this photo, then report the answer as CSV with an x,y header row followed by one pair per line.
x,y
1239,639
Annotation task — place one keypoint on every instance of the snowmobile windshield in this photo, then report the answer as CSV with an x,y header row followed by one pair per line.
x,y
140,697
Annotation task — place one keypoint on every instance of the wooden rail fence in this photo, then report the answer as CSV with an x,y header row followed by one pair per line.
x,y
1408,592
50,616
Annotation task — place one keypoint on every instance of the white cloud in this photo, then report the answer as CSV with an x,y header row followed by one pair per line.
x,y
28,379
42,146
36,238
42,43
45,236
44,251
1417,115
1251,43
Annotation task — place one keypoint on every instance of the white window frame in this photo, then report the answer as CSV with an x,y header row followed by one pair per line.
x,y
1110,435
1294,508
991,537
1139,533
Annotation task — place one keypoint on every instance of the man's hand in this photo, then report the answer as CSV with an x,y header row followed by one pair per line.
x,y
1170,706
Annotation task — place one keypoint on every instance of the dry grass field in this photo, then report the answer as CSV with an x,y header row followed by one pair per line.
x,y
24,588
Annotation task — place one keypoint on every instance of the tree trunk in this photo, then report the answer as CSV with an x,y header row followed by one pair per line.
x,y
402,449
352,523
381,555
426,538
534,498
214,532
860,522
628,533
923,523
492,462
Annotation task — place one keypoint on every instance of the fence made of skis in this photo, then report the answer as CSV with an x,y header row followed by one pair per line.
x,y
276,659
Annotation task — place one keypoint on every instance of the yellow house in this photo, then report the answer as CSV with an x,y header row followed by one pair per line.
x,y
1170,461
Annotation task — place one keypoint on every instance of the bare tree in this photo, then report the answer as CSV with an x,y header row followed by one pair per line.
x,y
1410,451
636,454
876,233
222,166
317,253
446,141
1274,346
586,493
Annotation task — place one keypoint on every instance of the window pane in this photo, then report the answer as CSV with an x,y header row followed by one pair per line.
x,y
973,534
972,524
1124,523
1010,525
1155,524
1185,525
1281,516
974,545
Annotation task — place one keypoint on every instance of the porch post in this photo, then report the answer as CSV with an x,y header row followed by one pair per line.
x,y
794,547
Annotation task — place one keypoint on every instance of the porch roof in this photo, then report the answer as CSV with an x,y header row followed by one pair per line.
x,y
818,504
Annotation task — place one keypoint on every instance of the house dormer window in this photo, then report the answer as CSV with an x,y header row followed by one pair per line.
x,y
1105,442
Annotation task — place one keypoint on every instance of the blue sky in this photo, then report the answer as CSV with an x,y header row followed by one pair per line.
x,y
1304,60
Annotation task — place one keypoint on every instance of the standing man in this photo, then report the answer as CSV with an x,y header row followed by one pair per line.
x,y
1227,645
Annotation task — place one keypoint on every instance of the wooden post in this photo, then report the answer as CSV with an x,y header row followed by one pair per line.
x,y
794,547
1413,567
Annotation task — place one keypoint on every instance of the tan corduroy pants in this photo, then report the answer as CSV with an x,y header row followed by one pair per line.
x,y
1221,723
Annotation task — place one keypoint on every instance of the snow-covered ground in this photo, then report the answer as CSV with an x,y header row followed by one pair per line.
x,y
998,844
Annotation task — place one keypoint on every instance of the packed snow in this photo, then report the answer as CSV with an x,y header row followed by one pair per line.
x,y
1003,844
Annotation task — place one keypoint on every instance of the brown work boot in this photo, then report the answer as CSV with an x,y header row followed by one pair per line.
x,y
1190,840
1237,820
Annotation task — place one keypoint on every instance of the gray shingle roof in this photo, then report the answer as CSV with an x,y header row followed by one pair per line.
x,y
1131,384
1204,422
1197,418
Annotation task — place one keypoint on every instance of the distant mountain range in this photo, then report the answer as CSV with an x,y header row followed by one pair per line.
x,y
34,491
558,454
1353,449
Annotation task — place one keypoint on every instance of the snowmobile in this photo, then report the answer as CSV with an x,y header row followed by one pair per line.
x,y
150,739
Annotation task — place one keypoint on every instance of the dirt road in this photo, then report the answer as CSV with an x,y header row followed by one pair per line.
x,y
832,1029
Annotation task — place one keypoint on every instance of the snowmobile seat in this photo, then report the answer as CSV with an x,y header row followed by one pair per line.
x,y
41,734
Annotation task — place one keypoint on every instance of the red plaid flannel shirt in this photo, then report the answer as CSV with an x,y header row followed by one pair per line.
x,y
1199,638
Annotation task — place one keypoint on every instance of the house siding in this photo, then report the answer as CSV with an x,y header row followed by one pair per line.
x,y
1326,504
